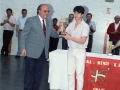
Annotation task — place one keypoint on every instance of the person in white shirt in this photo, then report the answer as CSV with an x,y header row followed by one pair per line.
x,y
77,34
8,23
92,30
19,27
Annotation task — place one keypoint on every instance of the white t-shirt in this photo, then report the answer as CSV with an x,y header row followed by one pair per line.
x,y
81,30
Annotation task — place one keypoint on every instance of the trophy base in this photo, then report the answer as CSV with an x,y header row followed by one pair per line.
x,y
109,54
62,33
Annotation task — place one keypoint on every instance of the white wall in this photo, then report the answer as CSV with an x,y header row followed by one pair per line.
x,y
62,8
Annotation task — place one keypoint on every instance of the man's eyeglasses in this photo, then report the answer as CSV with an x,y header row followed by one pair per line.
x,y
45,11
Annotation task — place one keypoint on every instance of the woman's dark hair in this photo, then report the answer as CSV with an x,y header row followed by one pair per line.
x,y
79,9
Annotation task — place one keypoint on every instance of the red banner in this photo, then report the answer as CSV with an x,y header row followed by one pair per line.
x,y
102,74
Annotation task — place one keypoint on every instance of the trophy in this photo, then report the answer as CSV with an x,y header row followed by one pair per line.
x,y
110,48
63,26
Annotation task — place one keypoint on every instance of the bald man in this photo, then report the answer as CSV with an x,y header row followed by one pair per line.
x,y
35,44
114,33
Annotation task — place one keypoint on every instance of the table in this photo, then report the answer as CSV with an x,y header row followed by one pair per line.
x,y
102,72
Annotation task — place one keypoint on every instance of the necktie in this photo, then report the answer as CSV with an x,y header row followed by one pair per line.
x,y
44,28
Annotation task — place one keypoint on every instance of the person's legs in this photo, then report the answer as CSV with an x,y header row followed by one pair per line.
x,y
19,37
55,43
39,70
64,44
9,35
80,57
29,73
4,37
51,44
117,49
71,70
90,41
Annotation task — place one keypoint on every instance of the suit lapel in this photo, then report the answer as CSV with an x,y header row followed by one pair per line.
x,y
39,26
47,26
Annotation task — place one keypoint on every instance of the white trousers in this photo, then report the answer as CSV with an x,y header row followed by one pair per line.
x,y
76,62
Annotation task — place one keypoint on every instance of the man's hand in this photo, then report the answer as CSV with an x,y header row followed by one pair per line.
x,y
5,21
23,52
116,31
91,29
1,24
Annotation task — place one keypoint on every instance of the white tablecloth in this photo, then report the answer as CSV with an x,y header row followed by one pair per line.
x,y
58,68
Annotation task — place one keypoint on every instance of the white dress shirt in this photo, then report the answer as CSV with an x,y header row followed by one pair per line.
x,y
42,21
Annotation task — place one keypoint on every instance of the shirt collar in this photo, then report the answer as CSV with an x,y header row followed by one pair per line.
x,y
80,22
24,17
117,24
41,18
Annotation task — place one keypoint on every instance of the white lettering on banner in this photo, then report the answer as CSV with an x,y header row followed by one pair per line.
x,y
103,63
98,89
116,64
88,61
